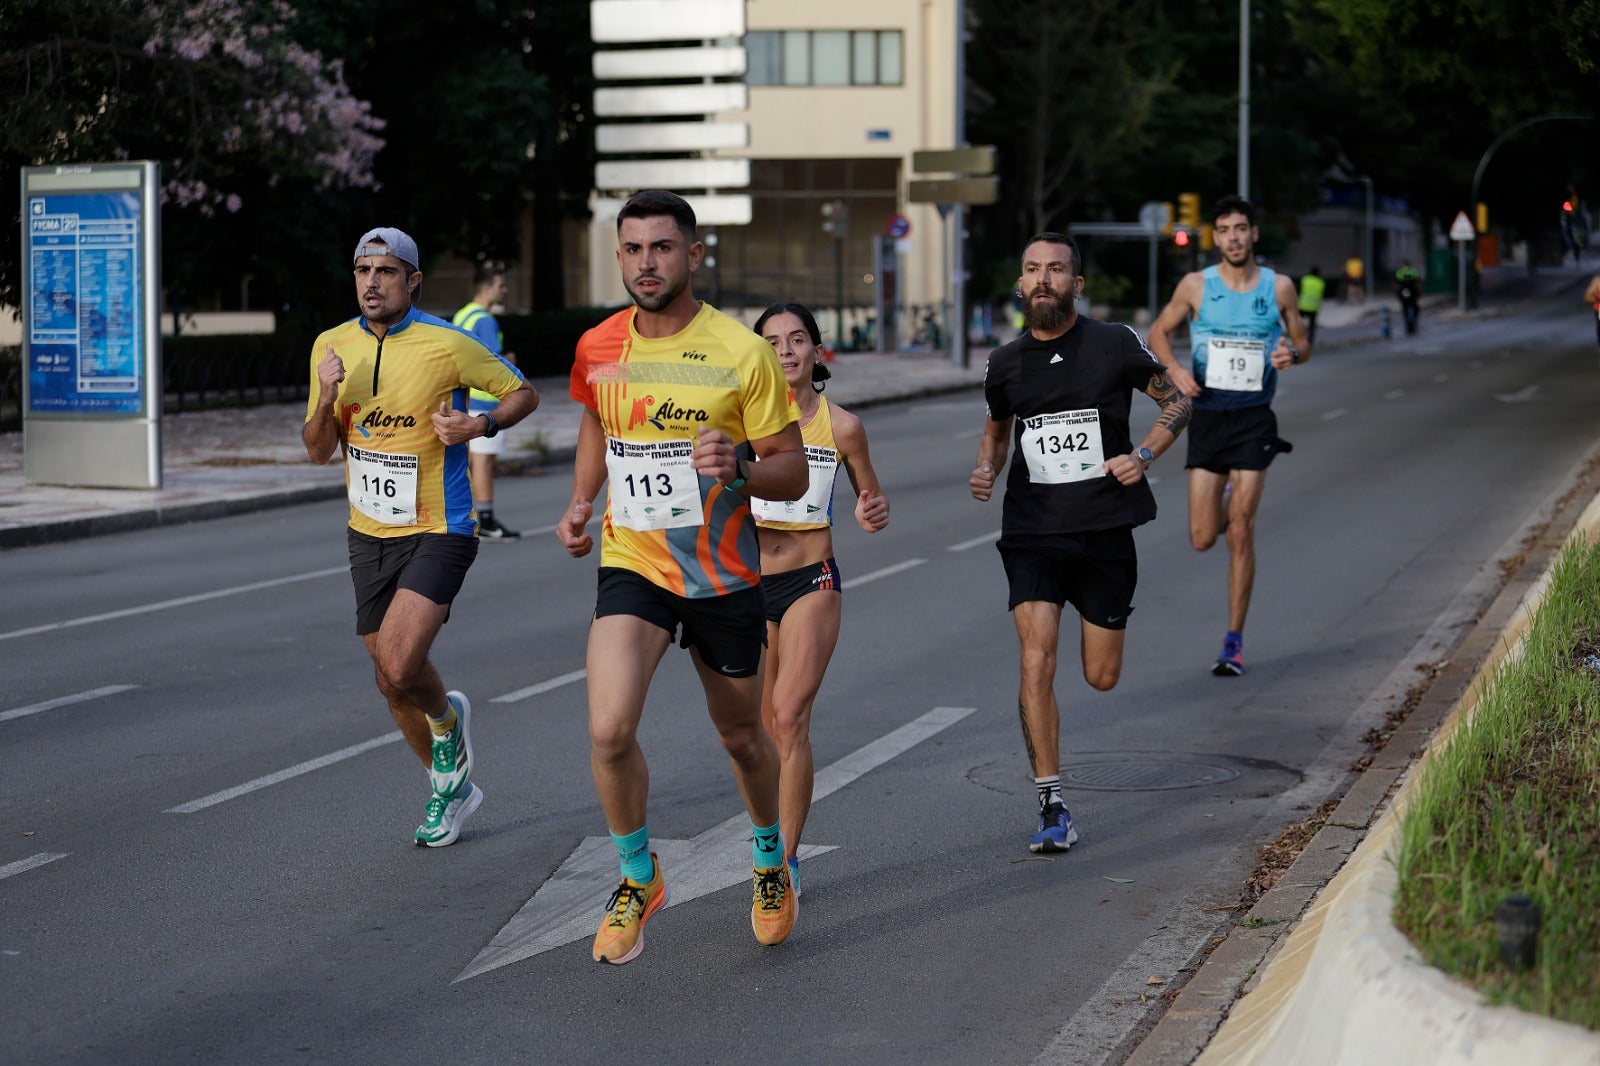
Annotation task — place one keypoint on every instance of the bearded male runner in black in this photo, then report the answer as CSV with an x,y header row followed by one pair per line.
x,y
1064,389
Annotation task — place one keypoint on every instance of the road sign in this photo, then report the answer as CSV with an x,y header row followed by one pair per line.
x,y
978,159
1461,229
1156,215
898,226
955,190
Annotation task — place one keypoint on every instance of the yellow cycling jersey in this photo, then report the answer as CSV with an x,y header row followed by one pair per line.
x,y
690,535
814,510
401,479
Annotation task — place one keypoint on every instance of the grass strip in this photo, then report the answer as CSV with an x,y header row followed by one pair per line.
x,y
1512,804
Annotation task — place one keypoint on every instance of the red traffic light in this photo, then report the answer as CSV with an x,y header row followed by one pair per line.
x,y
1181,238
1566,205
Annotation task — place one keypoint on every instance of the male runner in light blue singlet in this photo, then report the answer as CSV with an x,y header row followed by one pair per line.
x,y
1244,328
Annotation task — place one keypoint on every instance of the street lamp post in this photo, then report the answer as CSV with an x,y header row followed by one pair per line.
x,y
1244,99
1372,279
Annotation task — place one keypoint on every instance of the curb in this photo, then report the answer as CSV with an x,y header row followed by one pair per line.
x,y
1279,923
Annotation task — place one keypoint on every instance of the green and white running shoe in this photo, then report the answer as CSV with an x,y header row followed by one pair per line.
x,y
447,816
452,753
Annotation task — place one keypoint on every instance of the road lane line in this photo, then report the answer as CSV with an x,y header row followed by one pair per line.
x,y
888,571
182,601
64,701
1337,412
32,862
1394,394
283,775
987,538
543,686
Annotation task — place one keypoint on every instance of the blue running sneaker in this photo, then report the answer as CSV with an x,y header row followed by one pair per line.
x,y
1055,830
452,753
1231,662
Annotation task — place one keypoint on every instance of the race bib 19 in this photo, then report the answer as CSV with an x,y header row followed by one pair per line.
x,y
1235,365
652,485
1063,447
382,486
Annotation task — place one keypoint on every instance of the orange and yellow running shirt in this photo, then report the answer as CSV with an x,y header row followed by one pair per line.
x,y
688,534
401,479
814,510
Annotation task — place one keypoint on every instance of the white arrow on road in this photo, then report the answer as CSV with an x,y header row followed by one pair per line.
x,y
1520,396
567,907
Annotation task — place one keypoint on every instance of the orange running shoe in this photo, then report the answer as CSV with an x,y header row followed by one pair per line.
x,y
621,935
774,909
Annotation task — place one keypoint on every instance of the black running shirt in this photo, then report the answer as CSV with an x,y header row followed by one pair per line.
x,y
1058,392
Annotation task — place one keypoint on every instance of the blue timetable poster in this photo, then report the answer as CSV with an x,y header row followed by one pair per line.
x,y
85,334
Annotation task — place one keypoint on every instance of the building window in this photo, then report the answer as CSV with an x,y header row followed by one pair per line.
x,y
825,57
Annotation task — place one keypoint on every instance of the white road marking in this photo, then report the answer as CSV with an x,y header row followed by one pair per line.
x,y
64,701
1394,394
182,601
987,538
864,579
566,907
1337,412
543,686
541,531
32,862
283,775
1520,396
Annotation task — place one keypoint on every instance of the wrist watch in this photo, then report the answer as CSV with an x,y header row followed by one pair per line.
x,y
490,426
741,474
1145,456
1294,355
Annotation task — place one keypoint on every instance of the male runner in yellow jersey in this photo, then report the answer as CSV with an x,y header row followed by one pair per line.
x,y
670,388
390,386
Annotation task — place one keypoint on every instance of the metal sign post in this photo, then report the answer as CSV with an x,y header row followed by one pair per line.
x,y
1462,231
91,325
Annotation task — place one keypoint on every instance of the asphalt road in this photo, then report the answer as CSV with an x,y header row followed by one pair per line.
x,y
205,815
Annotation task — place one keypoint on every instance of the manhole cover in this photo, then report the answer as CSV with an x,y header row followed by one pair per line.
x,y
1144,776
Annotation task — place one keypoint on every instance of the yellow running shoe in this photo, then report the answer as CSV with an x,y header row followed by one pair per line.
x,y
621,934
774,909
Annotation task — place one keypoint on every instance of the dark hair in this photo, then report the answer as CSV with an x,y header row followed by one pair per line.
x,y
1052,237
819,370
485,272
1234,205
653,203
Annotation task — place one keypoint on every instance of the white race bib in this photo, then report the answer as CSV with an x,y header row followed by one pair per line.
x,y
382,485
813,506
652,485
1235,365
1063,447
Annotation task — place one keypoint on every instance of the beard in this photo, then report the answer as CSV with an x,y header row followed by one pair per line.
x,y
1049,316
1245,257
658,300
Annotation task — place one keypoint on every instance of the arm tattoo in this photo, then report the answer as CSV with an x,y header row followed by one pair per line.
x,y
1027,737
1175,406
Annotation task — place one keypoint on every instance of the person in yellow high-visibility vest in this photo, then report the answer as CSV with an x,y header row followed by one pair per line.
x,y
1312,286
489,290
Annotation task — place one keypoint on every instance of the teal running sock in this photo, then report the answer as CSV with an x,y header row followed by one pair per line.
x,y
634,852
766,846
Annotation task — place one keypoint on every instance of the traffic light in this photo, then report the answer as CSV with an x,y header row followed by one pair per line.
x,y
1189,210
836,218
1208,237
1166,219
1483,217
1180,238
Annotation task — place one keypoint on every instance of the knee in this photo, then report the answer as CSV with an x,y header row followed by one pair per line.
x,y
790,724
395,674
1038,666
611,740
743,742
1103,677
1202,538
1241,534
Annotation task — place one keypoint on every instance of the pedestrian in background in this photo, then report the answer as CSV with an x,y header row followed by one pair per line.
x,y
1408,288
477,318
1312,286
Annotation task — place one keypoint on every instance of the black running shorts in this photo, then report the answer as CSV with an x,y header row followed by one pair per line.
x,y
783,589
1244,438
433,565
728,631
1096,572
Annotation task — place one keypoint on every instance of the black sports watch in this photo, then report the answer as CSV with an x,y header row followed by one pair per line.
x,y
1146,456
491,427
741,474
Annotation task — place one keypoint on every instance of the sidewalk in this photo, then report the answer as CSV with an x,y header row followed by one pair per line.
x,y
235,460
